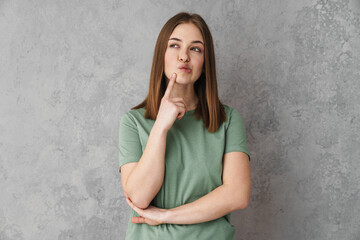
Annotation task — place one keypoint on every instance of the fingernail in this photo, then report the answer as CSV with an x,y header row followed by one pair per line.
x,y
173,75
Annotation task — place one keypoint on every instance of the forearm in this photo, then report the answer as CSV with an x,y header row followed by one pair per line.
x,y
146,178
216,204
232,195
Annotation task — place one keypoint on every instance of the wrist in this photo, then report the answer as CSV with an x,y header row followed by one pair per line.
x,y
159,129
167,216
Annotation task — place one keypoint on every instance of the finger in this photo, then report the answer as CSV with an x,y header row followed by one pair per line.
x,y
179,102
129,201
182,113
136,209
131,204
177,99
138,220
180,105
170,85
179,117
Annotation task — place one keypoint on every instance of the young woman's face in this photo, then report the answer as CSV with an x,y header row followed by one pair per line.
x,y
185,54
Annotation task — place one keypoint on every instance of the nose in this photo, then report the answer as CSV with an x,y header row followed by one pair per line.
x,y
184,56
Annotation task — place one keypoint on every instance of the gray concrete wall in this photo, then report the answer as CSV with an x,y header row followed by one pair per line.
x,y
70,69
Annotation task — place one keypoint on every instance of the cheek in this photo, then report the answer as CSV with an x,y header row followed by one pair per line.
x,y
167,65
199,63
168,59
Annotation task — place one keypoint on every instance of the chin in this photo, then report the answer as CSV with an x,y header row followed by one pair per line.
x,y
182,80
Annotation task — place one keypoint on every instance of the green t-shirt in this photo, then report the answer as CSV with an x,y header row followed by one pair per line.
x,y
193,168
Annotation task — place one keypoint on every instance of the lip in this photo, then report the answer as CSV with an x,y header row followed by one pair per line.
x,y
185,68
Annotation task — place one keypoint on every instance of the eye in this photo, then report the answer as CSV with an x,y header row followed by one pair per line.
x,y
174,45
196,49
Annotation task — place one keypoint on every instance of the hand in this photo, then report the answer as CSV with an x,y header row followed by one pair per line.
x,y
170,108
151,215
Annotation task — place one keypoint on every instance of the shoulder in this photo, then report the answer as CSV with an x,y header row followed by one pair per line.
x,y
133,115
228,109
231,114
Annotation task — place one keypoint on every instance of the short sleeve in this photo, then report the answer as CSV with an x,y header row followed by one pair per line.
x,y
235,137
129,142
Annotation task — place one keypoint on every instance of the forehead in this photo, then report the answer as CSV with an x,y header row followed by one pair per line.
x,y
187,32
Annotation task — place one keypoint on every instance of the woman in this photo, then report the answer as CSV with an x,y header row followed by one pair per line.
x,y
183,154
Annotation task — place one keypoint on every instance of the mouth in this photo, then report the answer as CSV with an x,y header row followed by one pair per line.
x,y
185,68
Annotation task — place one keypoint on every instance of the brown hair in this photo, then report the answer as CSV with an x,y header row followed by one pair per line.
x,y
209,107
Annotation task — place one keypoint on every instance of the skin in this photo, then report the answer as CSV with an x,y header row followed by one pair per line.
x,y
142,180
185,47
233,194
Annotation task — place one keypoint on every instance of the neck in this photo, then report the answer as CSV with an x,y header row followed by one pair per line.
x,y
186,92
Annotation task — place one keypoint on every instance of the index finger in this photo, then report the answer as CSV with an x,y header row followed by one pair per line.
x,y
170,85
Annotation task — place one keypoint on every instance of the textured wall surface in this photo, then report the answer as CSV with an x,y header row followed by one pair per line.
x,y
69,70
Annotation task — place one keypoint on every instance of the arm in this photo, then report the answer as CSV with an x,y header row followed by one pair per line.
x,y
142,180
234,194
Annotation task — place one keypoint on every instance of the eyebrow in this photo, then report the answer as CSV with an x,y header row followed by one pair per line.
x,y
196,41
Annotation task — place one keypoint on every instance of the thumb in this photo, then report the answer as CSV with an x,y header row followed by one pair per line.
x,y
138,220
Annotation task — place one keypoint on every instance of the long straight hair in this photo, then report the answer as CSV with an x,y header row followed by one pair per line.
x,y
209,107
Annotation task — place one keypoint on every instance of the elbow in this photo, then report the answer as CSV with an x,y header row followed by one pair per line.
x,y
140,198
140,203
137,201
241,204
241,200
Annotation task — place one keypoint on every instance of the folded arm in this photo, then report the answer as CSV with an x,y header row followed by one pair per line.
x,y
142,180
232,195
